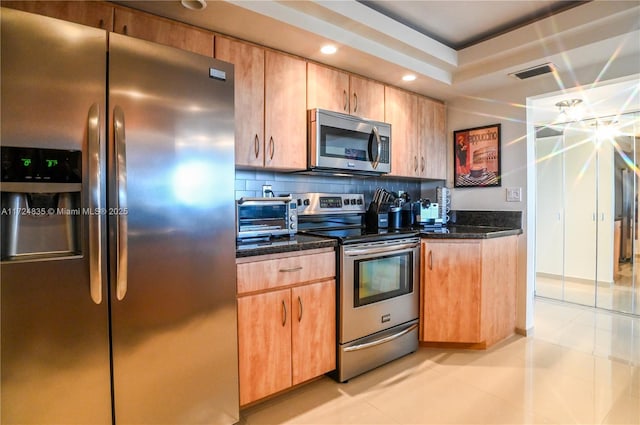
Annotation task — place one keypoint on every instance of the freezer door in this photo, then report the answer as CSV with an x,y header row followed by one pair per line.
x,y
55,333
172,235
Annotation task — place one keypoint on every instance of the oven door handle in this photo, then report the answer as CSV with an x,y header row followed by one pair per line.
x,y
382,340
367,251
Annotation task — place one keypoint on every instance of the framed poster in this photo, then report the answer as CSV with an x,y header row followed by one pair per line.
x,y
476,156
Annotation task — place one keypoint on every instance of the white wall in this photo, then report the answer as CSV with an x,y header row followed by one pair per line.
x,y
508,106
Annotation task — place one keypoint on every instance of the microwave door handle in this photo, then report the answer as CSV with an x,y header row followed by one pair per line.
x,y
375,133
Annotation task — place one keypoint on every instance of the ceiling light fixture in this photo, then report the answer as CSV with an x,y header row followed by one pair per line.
x,y
570,109
194,4
329,49
409,77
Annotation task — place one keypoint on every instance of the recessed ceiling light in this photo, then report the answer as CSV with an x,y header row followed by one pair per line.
x,y
409,77
194,4
329,49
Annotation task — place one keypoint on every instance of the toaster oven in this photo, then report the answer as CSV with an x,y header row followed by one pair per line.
x,y
265,217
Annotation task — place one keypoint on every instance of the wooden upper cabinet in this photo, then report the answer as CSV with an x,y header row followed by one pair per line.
x,y
92,13
440,141
327,88
432,149
248,63
285,112
338,91
313,330
367,98
400,111
163,31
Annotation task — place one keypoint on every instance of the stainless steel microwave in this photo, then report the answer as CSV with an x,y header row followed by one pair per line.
x,y
348,144
265,217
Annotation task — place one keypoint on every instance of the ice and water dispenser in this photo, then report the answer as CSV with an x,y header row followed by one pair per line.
x,y
41,203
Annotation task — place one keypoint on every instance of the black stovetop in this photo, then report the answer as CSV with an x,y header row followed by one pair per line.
x,y
362,234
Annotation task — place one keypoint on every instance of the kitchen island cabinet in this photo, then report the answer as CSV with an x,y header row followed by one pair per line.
x,y
339,91
286,320
468,290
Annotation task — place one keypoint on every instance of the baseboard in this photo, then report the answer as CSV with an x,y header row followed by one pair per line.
x,y
524,332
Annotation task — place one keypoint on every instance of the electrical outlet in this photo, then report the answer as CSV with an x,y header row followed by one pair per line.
x,y
514,194
266,191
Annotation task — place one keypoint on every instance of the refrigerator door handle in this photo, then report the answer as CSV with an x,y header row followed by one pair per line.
x,y
95,216
121,208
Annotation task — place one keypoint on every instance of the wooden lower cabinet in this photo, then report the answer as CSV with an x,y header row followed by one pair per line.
x,y
264,344
286,321
313,332
468,290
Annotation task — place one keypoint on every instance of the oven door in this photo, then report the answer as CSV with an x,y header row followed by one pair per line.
x,y
379,286
344,142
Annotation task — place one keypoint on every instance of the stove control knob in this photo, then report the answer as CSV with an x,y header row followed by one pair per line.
x,y
292,226
359,201
299,201
306,202
293,217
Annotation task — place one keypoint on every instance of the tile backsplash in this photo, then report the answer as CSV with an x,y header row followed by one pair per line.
x,y
249,183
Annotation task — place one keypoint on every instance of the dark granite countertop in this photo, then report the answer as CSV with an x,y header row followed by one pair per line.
x,y
274,246
470,232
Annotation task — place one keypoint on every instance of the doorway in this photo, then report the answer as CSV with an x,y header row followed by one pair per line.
x,y
587,178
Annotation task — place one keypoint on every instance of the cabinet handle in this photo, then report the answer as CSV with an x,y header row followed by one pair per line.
x,y
415,163
284,313
300,311
292,269
345,96
256,145
125,30
430,260
355,102
101,23
272,147
422,167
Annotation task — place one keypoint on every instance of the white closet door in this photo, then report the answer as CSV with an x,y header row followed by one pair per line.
x,y
549,209
580,213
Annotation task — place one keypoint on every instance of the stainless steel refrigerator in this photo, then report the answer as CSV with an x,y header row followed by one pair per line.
x,y
118,261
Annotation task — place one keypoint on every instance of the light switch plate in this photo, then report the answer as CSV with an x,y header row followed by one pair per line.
x,y
514,194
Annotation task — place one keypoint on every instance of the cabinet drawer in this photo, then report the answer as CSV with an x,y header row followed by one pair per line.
x,y
268,274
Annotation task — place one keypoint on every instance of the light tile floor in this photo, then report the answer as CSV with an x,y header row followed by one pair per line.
x,y
579,366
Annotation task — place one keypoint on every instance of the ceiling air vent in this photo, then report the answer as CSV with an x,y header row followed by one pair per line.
x,y
545,68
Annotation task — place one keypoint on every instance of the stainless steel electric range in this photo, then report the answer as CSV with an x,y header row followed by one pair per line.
x,y
378,281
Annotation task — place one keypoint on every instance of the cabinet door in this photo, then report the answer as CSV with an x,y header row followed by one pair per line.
x,y
313,330
163,31
367,98
400,111
91,13
249,98
285,112
452,291
264,344
327,88
432,150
